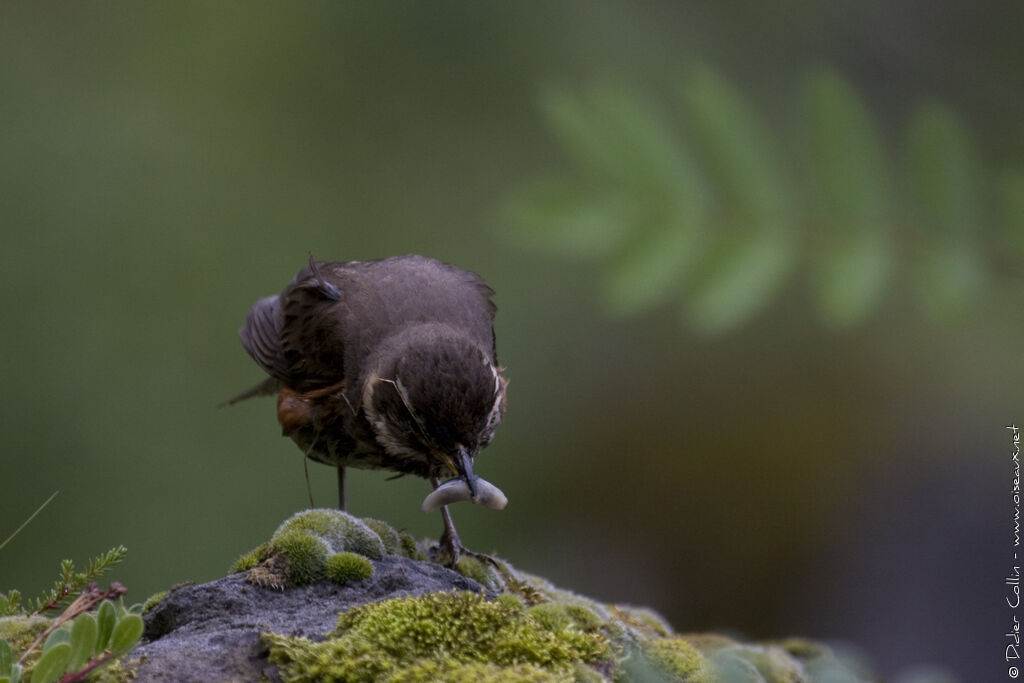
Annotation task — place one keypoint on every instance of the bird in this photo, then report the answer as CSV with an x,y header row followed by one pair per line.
x,y
386,364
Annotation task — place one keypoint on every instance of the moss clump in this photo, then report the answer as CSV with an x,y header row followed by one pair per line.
x,y
550,615
306,555
436,632
251,558
153,600
389,537
339,531
679,659
472,568
410,548
346,567
771,663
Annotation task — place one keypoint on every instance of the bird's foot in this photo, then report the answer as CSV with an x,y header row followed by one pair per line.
x,y
450,550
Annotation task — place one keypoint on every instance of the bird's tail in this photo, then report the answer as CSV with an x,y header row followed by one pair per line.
x,y
267,387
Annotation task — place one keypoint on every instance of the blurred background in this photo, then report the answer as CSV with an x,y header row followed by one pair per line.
x,y
758,270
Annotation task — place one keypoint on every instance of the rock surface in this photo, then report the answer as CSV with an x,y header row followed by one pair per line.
x,y
210,631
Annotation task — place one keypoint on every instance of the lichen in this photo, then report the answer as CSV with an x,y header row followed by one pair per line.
x,y
436,632
346,567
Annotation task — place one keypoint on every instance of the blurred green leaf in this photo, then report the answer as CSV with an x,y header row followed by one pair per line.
x,y
736,149
5,658
61,635
52,664
126,633
847,158
944,170
583,136
558,216
950,276
106,617
646,272
650,160
1012,196
84,632
850,273
850,182
741,277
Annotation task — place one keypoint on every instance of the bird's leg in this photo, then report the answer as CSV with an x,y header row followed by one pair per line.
x,y
451,543
341,487
449,539
309,486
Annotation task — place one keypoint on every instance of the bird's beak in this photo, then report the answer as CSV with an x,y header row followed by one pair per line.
x,y
464,463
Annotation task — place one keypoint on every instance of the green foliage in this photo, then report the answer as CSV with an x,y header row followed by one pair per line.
x,y
74,650
71,582
10,603
52,664
10,670
106,618
706,207
346,567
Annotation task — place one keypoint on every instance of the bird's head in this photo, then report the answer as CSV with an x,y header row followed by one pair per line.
x,y
436,398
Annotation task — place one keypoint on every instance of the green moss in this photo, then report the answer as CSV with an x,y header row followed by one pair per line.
x,y
306,555
451,670
472,568
380,640
773,663
119,671
339,531
19,632
410,548
646,621
346,567
153,600
550,615
389,537
251,558
678,658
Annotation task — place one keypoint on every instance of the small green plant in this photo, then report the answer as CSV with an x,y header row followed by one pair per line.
x,y
76,642
66,588
71,582
73,652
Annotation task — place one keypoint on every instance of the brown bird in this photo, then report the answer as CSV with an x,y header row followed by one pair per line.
x,y
386,364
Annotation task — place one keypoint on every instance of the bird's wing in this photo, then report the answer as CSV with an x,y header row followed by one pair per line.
x,y
261,336
335,313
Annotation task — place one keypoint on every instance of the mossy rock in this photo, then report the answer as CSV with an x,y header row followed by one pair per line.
x,y
520,628
408,639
